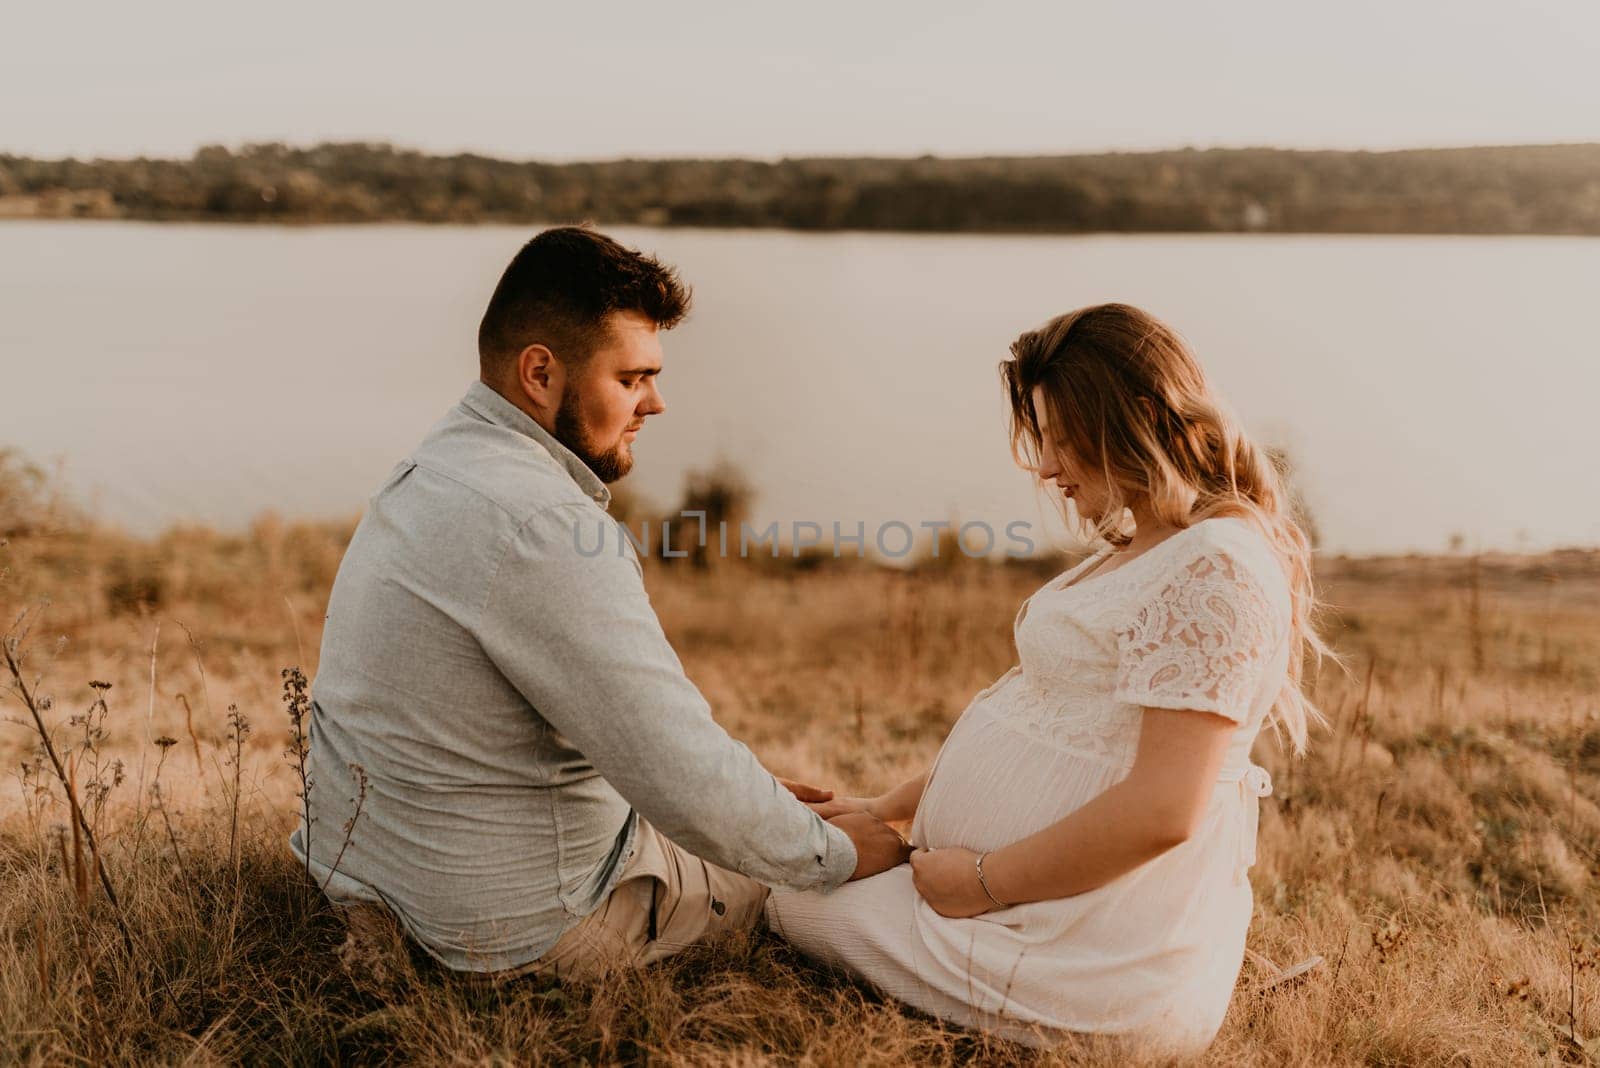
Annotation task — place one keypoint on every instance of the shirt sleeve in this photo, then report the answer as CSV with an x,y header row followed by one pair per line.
x,y
567,620
1203,642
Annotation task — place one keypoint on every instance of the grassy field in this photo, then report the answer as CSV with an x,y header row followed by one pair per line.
x,y
1439,847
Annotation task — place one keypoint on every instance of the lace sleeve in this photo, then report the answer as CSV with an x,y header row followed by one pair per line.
x,y
1202,643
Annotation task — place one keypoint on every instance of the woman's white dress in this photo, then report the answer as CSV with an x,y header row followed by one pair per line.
x,y
1199,621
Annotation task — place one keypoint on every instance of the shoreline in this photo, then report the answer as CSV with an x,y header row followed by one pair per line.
x,y
9,216
1232,190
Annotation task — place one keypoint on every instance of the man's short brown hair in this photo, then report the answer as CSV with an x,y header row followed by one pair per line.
x,y
559,289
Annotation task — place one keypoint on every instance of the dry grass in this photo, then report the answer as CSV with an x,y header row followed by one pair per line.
x,y
1438,848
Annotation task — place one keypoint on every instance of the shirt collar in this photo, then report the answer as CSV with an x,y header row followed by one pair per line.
x,y
483,400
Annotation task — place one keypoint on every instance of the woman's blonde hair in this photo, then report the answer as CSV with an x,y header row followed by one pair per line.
x,y
1126,396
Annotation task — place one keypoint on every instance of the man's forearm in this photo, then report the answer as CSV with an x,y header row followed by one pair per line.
x,y
649,733
725,807
578,639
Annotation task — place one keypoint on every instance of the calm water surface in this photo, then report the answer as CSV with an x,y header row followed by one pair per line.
x,y
1427,386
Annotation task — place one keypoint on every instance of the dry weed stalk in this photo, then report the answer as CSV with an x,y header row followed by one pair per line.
x,y
92,724
80,823
238,731
159,803
298,703
359,801
1475,612
205,694
149,719
1582,956
35,791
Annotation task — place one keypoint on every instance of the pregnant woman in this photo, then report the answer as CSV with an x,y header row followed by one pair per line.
x,y
1084,835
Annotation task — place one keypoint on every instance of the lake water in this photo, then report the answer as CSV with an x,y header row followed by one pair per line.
x,y
1427,387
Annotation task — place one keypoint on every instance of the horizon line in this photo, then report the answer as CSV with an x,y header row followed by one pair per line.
x,y
563,160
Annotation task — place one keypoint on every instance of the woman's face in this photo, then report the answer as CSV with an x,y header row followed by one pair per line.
x,y
1087,490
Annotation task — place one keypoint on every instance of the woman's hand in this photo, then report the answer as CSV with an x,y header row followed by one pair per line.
x,y
947,879
829,807
898,805
811,795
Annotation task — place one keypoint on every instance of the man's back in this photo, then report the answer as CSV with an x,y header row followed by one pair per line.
x,y
458,829
504,688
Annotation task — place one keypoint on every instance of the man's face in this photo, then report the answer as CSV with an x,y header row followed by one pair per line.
x,y
605,401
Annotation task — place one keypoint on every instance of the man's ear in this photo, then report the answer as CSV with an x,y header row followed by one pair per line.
x,y
540,377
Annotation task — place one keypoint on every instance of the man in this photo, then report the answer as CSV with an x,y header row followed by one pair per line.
x,y
544,788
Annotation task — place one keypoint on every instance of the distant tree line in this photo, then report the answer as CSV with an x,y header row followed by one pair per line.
x,y
1514,190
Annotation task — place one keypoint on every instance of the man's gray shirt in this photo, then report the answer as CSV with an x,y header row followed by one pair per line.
x,y
496,670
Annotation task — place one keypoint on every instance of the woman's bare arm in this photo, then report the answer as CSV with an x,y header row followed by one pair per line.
x,y
1156,807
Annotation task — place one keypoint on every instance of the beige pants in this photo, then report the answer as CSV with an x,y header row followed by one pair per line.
x,y
666,901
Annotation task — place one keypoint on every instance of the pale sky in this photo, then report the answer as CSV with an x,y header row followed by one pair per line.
x,y
574,80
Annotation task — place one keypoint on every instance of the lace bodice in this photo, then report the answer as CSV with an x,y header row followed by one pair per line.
x,y
1199,622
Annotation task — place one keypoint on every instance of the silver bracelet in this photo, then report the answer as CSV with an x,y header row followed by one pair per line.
x,y
985,884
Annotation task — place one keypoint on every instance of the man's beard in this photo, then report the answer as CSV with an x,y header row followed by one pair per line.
x,y
608,465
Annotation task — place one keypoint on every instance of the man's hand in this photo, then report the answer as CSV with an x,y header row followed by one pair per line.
x,y
811,795
879,846
947,879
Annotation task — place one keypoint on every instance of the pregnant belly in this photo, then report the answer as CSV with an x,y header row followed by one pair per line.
x,y
993,785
